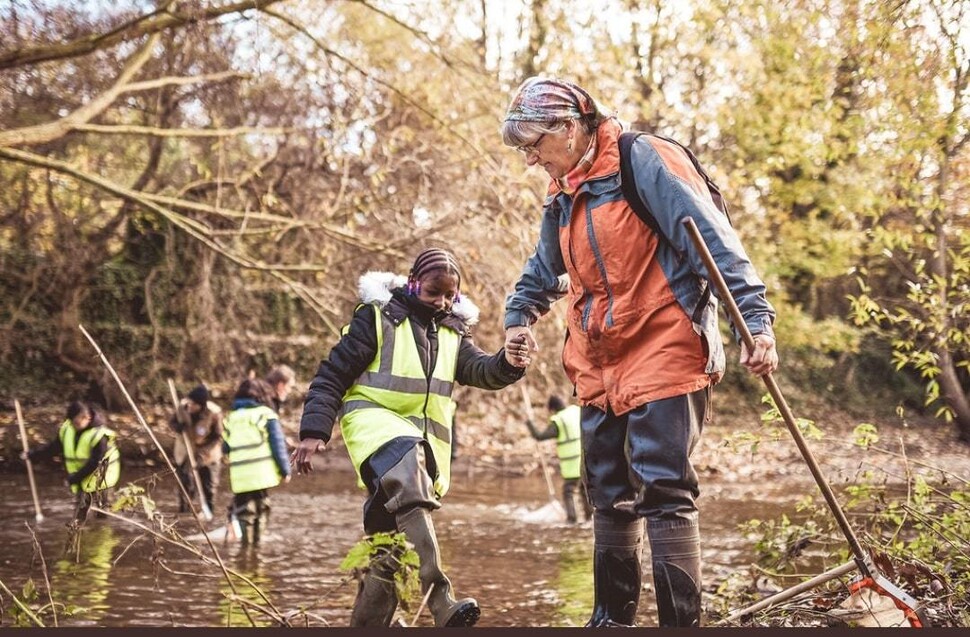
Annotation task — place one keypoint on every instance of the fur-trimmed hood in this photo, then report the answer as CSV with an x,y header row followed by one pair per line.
x,y
376,287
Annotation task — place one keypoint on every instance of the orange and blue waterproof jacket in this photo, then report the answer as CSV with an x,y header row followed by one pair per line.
x,y
639,326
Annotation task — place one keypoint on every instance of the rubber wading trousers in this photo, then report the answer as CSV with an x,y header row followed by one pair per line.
x,y
637,466
402,499
446,610
377,595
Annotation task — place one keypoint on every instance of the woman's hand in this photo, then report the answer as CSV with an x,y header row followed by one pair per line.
x,y
301,459
764,359
520,344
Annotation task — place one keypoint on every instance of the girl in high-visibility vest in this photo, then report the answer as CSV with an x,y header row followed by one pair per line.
x,y
390,378
253,441
91,457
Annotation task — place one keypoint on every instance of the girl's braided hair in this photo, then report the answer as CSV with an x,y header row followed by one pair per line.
x,y
432,259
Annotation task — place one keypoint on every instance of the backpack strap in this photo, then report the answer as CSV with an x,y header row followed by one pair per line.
x,y
628,187
628,179
628,183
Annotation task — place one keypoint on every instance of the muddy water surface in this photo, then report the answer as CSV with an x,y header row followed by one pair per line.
x,y
524,568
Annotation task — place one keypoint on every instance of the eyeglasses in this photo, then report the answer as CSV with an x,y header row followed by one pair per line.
x,y
531,149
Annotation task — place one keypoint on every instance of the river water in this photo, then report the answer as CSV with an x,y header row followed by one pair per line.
x,y
524,568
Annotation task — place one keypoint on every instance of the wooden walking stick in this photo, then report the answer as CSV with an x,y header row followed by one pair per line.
x,y
870,577
190,451
530,414
30,468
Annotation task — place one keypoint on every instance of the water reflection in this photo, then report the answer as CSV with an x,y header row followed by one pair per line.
x,y
250,592
574,583
80,578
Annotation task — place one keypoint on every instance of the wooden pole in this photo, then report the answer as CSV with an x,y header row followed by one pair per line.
x,y
530,414
190,451
866,567
30,469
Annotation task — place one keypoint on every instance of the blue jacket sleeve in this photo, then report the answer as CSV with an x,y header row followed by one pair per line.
x,y
539,285
278,446
671,200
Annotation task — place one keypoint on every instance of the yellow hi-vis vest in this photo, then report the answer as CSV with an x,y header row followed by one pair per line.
x,y
251,463
567,442
393,397
77,448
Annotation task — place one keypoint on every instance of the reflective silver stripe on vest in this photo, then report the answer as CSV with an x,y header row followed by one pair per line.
x,y
252,446
236,463
436,429
403,385
384,379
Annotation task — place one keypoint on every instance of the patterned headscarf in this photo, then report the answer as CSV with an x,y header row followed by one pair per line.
x,y
547,99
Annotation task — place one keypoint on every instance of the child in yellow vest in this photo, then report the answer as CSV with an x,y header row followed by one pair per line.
x,y
390,378
253,442
91,457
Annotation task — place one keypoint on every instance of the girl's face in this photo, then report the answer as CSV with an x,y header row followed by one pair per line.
x,y
82,420
438,289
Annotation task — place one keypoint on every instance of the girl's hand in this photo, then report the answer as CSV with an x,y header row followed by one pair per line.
x,y
301,459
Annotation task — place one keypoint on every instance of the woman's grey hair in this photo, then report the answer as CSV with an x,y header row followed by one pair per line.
x,y
517,133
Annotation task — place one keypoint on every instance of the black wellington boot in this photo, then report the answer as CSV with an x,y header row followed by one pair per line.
x,y
675,547
617,548
416,525
377,597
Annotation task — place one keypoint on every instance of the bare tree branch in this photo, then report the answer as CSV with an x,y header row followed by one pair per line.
x,y
159,82
151,23
191,227
404,97
43,133
153,131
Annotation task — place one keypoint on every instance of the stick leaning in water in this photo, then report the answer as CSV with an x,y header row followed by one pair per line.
x,y
30,468
871,578
531,415
168,461
190,452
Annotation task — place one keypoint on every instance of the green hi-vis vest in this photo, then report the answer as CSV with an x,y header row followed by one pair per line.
x,y
251,463
393,397
77,449
567,422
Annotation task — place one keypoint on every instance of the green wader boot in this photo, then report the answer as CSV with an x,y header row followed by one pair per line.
x,y
377,597
417,526
675,547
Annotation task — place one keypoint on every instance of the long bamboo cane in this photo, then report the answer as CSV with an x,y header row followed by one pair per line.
x,y
168,462
190,451
30,468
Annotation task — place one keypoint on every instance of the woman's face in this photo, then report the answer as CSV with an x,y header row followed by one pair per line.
x,y
551,151
438,289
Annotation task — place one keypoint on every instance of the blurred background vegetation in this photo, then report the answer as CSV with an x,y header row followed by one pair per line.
x,y
201,183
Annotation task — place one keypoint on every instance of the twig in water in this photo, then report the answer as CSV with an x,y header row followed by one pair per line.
x,y
171,467
43,567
